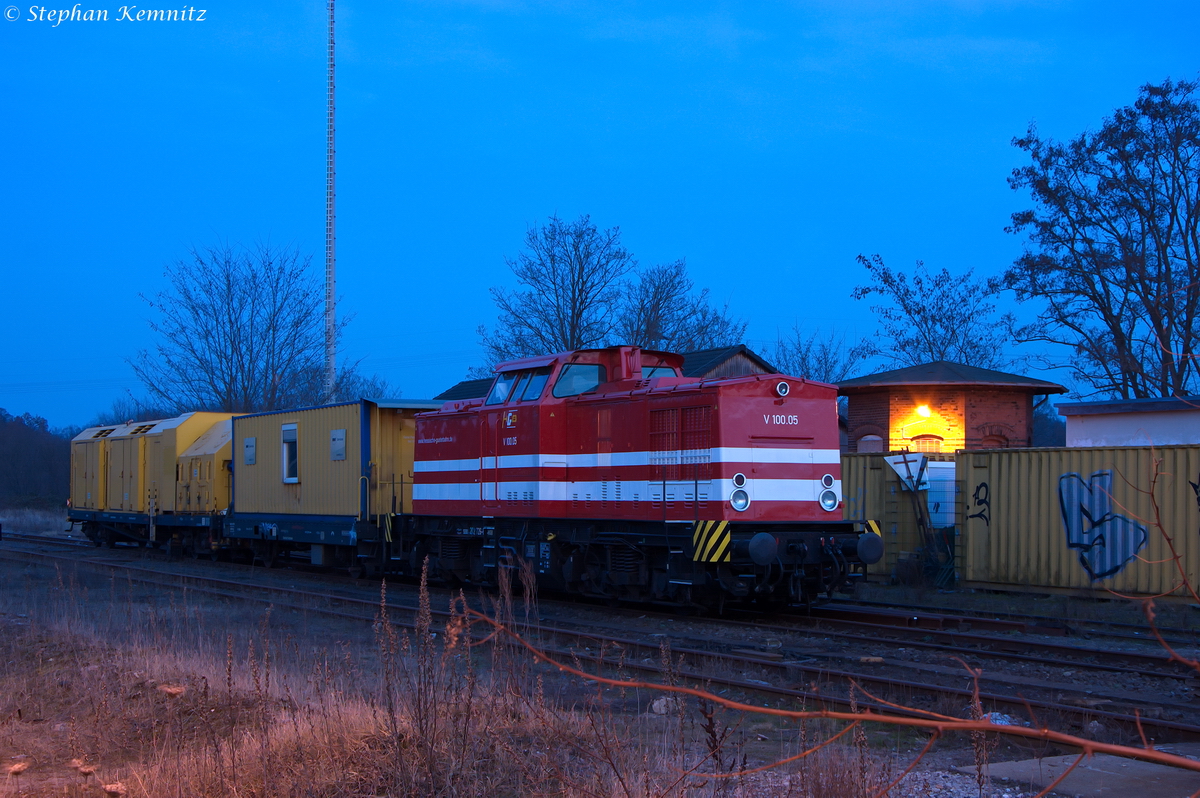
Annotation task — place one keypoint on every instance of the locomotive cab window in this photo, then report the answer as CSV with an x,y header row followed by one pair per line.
x,y
658,371
535,385
579,378
501,388
291,454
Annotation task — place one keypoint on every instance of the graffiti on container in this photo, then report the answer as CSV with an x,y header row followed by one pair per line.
x,y
982,498
1196,490
1106,541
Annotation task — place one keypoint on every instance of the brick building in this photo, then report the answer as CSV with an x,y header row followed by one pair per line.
x,y
941,407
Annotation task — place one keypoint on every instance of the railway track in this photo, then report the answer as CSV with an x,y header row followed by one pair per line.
x,y
1041,624
786,669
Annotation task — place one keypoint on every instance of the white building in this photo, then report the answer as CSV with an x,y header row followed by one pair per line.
x,y
1133,422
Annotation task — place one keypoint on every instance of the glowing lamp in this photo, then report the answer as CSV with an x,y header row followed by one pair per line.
x,y
923,411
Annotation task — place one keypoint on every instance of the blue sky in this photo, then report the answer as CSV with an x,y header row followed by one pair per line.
x,y
768,144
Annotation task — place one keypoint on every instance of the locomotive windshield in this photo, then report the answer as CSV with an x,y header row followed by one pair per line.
x,y
658,371
529,386
579,378
501,387
535,384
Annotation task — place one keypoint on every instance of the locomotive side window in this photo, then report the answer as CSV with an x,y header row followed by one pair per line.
x,y
658,371
501,388
291,454
579,378
537,382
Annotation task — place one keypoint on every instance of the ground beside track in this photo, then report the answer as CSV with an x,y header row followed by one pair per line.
x,y
335,634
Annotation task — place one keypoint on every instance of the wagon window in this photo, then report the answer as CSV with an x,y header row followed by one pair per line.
x,y
579,378
501,387
537,382
291,454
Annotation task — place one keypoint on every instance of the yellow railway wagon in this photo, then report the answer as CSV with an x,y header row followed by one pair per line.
x,y
1081,519
131,468
349,461
205,471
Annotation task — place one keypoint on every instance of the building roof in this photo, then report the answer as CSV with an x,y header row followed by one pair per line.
x,y
1152,405
704,361
945,372
467,389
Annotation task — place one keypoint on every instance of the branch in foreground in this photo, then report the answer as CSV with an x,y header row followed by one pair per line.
x,y
936,726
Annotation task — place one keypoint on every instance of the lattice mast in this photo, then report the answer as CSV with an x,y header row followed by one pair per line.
x,y
330,320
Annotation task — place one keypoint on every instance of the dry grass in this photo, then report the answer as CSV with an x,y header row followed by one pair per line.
x,y
104,691
33,522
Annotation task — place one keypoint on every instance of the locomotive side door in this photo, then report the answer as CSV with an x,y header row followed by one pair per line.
x,y
490,430
489,450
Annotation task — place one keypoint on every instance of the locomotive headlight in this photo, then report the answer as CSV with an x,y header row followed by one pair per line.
x,y
782,388
829,501
827,481
739,499
739,480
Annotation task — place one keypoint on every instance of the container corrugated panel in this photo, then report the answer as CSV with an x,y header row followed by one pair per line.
x,y
1081,519
89,468
126,469
871,490
324,486
393,441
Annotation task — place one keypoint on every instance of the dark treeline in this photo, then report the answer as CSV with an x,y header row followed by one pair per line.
x,y
34,463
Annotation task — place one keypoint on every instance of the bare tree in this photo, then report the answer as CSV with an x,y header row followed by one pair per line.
x,y
571,276
131,408
936,316
239,331
822,357
1115,235
663,311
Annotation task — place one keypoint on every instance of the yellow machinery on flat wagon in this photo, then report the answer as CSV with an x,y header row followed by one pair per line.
x,y
125,478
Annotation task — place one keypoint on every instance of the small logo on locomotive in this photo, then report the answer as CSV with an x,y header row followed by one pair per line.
x,y
510,418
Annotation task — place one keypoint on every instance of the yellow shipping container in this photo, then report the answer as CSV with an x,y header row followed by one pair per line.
x,y
345,460
1093,519
205,473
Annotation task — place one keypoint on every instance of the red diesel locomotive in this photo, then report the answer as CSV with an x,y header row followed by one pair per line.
x,y
616,477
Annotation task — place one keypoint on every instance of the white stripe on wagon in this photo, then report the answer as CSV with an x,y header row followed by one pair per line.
x,y
722,454
773,490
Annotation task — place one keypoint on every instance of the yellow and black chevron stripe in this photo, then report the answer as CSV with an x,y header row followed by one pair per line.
x,y
873,526
712,542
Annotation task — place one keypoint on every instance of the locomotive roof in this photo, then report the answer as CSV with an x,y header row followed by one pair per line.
x,y
670,358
